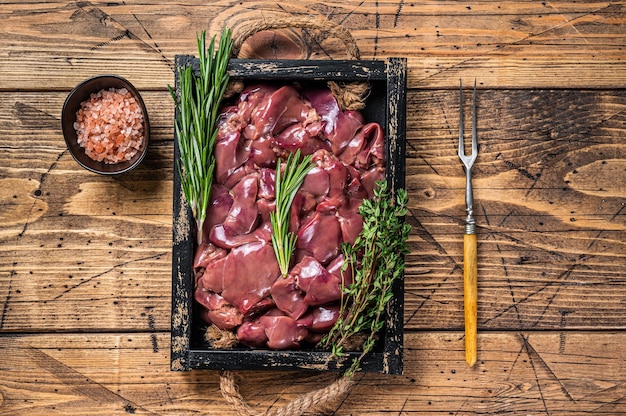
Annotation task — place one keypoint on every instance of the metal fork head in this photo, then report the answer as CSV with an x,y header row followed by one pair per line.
x,y
468,160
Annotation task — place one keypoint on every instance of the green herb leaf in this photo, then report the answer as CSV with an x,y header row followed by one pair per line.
x,y
376,259
287,184
197,104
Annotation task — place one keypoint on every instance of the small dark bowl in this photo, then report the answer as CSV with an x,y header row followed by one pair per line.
x,y
72,104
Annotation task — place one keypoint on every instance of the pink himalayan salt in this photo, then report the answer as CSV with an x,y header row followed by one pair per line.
x,y
109,125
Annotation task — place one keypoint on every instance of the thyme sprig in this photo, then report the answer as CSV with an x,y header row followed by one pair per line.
x,y
377,260
197,105
287,184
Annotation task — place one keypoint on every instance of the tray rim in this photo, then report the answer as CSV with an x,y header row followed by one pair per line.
x,y
389,359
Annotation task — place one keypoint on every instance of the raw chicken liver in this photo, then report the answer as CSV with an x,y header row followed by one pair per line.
x,y
239,286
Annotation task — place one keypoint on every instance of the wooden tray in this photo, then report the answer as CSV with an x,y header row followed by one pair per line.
x,y
386,105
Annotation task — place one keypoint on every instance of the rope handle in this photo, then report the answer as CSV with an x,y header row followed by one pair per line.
x,y
298,406
350,95
302,22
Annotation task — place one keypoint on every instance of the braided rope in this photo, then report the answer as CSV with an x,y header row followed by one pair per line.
x,y
298,406
350,96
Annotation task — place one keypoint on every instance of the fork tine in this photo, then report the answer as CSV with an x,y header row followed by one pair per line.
x,y
461,143
468,160
474,138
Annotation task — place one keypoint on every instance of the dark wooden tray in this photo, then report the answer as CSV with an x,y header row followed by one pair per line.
x,y
386,105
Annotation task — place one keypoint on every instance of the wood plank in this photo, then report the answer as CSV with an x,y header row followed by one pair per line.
x,y
85,263
549,196
121,373
520,45
549,187
81,250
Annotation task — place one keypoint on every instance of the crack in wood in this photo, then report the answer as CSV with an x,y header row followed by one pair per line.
x,y
351,12
42,180
377,29
153,336
32,117
529,348
430,165
532,294
601,409
78,382
562,336
429,239
534,354
564,276
157,48
498,48
398,13
7,299
506,272
69,289
105,19
600,232
124,35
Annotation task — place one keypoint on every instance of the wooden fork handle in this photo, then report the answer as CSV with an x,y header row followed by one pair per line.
x,y
470,291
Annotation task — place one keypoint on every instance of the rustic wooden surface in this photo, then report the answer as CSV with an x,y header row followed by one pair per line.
x,y
85,278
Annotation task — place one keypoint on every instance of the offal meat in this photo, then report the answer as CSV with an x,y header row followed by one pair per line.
x,y
238,284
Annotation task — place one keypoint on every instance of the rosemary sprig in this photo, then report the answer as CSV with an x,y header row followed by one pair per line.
x,y
377,261
197,105
287,184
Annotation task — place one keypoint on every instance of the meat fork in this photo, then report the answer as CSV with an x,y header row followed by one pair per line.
x,y
470,266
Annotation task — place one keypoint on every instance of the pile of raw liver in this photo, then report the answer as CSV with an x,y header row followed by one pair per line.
x,y
238,282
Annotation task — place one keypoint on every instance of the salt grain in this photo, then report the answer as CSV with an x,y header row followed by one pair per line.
x,y
109,126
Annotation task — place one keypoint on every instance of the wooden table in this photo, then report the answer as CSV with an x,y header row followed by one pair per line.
x,y
85,270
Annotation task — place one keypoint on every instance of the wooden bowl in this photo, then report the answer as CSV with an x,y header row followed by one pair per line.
x,y
68,116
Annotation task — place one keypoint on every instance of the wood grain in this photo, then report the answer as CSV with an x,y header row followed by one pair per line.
x,y
121,373
549,206
519,45
85,260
